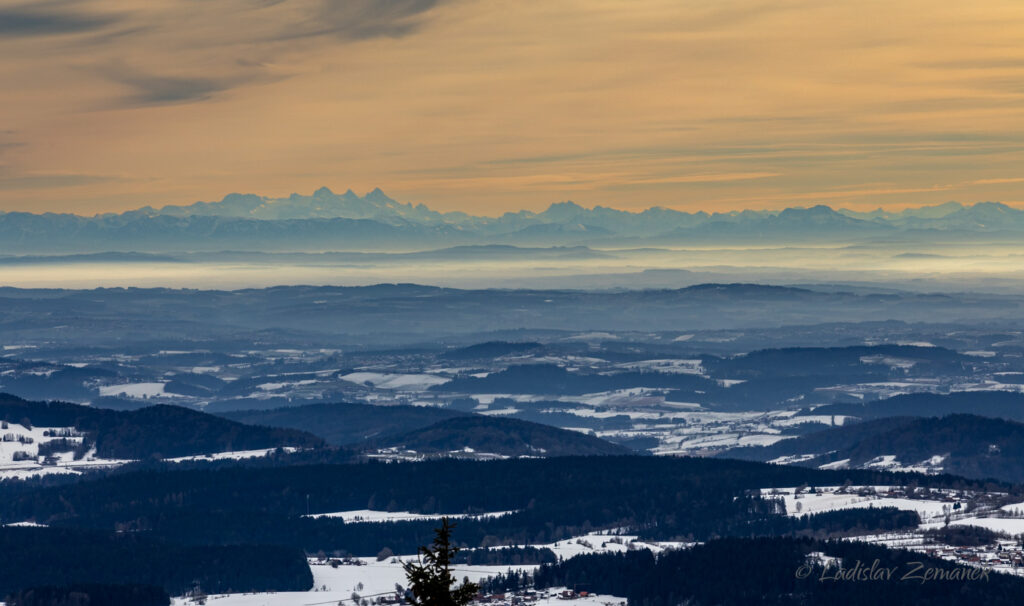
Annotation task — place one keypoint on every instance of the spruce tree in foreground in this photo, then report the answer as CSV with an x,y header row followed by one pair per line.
x,y
430,577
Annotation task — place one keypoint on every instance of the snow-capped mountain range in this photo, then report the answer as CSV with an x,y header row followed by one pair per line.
x,y
325,220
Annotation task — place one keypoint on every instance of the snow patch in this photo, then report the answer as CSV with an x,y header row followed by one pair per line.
x,y
133,390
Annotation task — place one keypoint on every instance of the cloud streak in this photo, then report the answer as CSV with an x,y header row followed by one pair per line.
x,y
149,89
365,19
48,19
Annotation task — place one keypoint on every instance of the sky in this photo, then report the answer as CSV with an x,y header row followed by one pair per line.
x,y
490,106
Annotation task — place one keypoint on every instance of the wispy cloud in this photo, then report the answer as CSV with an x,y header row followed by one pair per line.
x,y
267,30
362,19
472,105
998,181
48,19
716,178
149,89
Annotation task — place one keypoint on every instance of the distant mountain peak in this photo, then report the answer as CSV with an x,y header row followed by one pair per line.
x,y
990,206
817,209
377,194
324,219
563,211
565,204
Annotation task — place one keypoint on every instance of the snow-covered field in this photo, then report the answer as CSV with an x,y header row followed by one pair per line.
x,y
368,515
234,455
32,465
792,459
372,578
1000,557
65,463
322,598
284,384
32,439
829,498
932,465
378,578
133,390
605,542
672,366
823,419
1011,526
698,432
406,382
629,397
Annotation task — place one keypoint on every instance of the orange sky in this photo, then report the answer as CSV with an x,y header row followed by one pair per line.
x,y
487,106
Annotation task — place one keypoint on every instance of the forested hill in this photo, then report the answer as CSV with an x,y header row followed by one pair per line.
x,y
553,379
501,436
779,571
162,431
61,556
661,497
1002,404
967,445
818,442
345,424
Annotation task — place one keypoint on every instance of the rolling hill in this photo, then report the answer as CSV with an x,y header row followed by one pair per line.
x,y
163,431
1001,404
346,424
967,445
498,436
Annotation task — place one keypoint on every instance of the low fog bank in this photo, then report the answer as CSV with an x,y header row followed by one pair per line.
x,y
992,268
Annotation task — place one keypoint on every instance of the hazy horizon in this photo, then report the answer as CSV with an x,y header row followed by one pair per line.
x,y
537,208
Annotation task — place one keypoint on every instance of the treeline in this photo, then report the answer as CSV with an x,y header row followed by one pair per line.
x,y
36,557
490,350
90,594
769,392
772,377
1001,404
552,379
963,536
972,445
548,412
661,498
500,435
57,382
505,556
154,431
822,441
780,571
345,423
853,521
851,361
761,392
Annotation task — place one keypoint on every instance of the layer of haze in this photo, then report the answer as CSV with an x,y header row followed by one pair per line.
x,y
994,268
501,105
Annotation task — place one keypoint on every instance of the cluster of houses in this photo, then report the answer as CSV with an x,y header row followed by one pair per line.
x,y
1004,556
512,598
525,597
